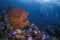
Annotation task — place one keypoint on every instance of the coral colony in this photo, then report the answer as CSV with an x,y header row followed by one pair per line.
x,y
18,18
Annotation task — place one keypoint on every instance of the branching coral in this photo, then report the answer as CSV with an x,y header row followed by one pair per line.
x,y
18,18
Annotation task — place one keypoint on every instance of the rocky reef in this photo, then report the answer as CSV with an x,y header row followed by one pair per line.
x,y
16,26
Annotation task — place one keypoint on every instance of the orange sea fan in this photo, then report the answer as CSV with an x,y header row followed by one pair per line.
x,y
18,18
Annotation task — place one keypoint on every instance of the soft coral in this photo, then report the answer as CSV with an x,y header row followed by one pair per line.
x,y
18,18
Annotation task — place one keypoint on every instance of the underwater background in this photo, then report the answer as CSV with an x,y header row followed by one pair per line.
x,y
44,14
